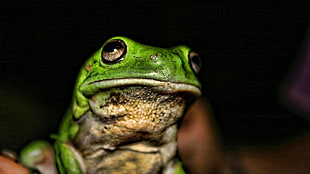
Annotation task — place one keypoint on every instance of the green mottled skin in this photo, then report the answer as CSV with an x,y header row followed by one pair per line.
x,y
169,67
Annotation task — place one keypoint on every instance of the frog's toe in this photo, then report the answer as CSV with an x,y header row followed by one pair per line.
x,y
39,155
69,160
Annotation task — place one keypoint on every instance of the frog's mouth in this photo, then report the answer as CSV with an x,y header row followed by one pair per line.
x,y
91,88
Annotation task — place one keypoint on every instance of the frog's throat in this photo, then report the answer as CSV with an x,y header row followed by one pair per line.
x,y
91,88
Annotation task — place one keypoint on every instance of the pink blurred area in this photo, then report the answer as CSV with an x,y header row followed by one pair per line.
x,y
297,87
203,153
8,166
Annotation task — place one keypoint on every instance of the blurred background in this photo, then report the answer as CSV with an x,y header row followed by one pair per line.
x,y
250,51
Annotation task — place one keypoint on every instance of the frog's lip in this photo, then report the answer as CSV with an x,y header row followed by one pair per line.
x,y
164,86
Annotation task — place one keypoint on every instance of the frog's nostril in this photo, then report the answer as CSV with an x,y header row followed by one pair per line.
x,y
154,56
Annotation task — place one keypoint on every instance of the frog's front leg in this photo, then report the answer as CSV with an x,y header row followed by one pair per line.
x,y
68,159
39,155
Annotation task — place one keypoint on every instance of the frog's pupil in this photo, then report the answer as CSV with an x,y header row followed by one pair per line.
x,y
113,46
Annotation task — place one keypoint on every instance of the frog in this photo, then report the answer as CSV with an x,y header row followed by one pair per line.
x,y
127,104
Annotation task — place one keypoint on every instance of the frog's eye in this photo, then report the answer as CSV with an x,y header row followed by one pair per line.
x,y
194,61
113,51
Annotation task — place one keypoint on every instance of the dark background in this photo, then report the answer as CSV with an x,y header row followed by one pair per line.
x,y
247,49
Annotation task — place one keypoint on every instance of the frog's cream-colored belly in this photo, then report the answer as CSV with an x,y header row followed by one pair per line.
x,y
126,161
130,130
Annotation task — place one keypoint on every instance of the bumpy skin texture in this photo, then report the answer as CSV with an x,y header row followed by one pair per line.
x,y
126,104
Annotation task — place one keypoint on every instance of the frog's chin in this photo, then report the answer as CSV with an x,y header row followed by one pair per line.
x,y
92,88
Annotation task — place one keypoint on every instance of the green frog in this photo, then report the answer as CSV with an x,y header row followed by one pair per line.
x,y
126,106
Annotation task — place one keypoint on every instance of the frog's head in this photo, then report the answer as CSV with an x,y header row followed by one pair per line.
x,y
123,62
